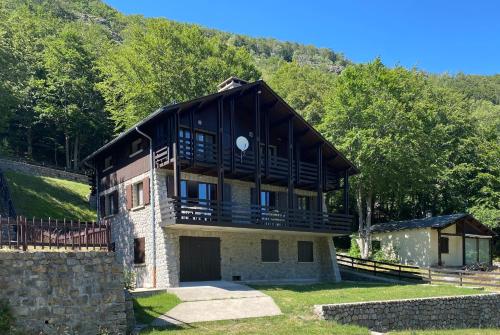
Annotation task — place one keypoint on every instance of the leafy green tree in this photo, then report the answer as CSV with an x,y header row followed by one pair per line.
x,y
385,120
162,62
303,88
69,97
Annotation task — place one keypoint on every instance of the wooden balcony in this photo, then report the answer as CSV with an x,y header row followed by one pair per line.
x,y
201,157
228,214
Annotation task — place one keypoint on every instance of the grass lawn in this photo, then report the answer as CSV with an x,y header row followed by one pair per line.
x,y
44,197
296,303
146,309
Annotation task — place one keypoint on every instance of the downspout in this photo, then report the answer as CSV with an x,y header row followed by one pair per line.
x,y
151,199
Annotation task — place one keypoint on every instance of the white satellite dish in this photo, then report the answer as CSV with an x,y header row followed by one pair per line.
x,y
242,143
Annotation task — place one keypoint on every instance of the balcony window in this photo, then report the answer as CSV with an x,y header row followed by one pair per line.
x,y
185,142
304,202
273,150
108,163
268,199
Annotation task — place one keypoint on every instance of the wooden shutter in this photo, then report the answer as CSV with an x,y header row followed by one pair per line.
x,y
114,196
270,250
305,251
102,206
139,250
129,197
146,190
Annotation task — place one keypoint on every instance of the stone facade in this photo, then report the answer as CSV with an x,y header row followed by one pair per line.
x,y
64,292
472,311
39,170
240,248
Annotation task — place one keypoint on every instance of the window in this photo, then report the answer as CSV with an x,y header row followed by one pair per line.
x,y
139,250
268,199
273,151
196,190
135,147
376,246
303,202
270,251
109,204
444,245
138,194
204,149
108,163
305,251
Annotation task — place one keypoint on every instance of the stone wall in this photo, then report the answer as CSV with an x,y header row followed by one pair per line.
x,y
241,255
472,311
64,292
44,171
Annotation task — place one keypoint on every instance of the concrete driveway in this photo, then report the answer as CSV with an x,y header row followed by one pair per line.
x,y
217,300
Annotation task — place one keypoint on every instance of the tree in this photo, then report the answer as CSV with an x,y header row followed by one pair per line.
x,y
303,88
69,97
162,62
385,120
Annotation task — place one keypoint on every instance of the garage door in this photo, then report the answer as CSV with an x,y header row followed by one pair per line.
x,y
199,258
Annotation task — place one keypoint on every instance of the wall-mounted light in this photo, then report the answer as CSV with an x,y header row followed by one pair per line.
x,y
200,122
250,134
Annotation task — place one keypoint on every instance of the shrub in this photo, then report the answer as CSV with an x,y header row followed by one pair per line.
x,y
129,279
354,249
6,318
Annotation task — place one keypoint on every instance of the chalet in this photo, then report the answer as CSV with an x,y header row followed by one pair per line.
x,y
228,186
448,240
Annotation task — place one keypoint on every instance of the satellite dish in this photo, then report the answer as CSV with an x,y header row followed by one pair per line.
x,y
242,143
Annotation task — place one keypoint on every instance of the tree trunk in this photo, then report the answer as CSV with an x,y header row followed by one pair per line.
x,y
29,138
55,152
66,147
361,220
75,154
368,224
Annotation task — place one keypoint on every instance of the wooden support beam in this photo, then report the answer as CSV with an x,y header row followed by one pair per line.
x,y
319,183
346,191
463,243
297,162
233,136
290,164
177,161
257,177
439,247
266,143
193,138
220,151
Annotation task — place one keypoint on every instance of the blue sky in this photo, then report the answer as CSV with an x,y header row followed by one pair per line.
x,y
436,36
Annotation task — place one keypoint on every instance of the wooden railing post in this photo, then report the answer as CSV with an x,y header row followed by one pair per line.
x,y
375,268
461,279
430,277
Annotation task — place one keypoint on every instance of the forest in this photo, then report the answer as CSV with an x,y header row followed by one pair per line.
x,y
74,74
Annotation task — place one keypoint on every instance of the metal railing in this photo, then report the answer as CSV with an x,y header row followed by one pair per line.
x,y
23,233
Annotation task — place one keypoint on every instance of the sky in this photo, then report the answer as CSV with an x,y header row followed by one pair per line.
x,y
436,36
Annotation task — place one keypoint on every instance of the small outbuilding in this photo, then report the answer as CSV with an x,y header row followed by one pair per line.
x,y
447,240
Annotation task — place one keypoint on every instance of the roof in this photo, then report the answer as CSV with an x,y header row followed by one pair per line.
x,y
190,103
435,222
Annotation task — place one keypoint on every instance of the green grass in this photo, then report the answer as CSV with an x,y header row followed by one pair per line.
x,y
44,197
296,303
148,308
469,331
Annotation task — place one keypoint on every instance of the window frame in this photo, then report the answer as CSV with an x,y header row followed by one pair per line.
x,y
139,259
135,147
135,195
108,163
299,254
265,244
444,248
109,204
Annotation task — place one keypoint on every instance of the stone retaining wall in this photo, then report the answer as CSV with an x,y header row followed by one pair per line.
x,y
64,292
38,170
472,311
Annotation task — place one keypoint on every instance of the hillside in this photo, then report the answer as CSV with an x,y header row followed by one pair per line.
x,y
44,197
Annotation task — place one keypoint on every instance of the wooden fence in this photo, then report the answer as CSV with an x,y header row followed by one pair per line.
x,y
429,275
23,233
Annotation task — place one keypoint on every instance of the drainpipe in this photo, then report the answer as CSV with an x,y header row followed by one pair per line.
x,y
151,199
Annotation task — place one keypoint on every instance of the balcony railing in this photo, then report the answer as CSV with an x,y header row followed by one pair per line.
x,y
230,214
205,153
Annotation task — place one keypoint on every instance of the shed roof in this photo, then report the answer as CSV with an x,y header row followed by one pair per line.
x,y
435,222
